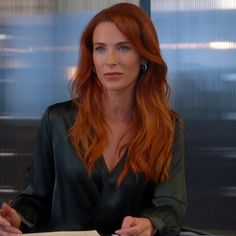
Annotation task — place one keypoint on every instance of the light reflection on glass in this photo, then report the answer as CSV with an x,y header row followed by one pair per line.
x,y
209,45
192,5
229,191
223,45
4,37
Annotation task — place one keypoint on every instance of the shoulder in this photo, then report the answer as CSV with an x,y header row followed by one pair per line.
x,y
67,106
63,111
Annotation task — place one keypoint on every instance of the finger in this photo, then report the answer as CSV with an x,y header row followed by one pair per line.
x,y
128,231
8,212
6,207
1,212
2,233
3,221
139,226
9,229
128,221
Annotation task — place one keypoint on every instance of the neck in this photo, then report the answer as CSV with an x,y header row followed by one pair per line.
x,y
117,106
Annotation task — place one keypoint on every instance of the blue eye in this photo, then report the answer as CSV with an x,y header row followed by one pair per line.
x,y
124,48
99,49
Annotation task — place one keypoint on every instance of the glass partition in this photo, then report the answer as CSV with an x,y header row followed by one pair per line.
x,y
38,54
198,42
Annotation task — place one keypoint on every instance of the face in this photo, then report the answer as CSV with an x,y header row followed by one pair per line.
x,y
116,61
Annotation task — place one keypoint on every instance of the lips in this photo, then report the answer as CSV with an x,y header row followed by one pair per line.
x,y
113,76
112,73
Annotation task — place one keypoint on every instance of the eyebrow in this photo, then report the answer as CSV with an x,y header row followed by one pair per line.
x,y
119,43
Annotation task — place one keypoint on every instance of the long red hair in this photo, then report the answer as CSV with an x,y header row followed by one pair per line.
x,y
149,150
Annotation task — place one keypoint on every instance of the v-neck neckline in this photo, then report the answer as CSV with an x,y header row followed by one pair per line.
x,y
123,156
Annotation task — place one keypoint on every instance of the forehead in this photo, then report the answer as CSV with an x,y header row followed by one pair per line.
x,y
107,32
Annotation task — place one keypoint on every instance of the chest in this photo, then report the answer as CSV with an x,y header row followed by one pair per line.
x,y
114,150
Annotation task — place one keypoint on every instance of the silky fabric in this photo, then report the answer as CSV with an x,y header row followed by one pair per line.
x,y
61,195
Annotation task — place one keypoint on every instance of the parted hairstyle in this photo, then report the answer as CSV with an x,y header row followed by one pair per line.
x,y
149,148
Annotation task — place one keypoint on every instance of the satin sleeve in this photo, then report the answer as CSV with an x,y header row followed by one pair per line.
x,y
169,198
33,204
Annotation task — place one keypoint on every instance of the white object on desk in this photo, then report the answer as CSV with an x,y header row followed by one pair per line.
x,y
66,233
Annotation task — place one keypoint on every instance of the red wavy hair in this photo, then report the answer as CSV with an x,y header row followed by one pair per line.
x,y
149,150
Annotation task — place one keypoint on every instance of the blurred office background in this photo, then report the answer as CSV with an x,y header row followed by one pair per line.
x,y
39,51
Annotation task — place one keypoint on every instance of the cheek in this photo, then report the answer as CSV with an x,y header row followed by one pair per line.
x,y
133,62
133,66
95,61
98,63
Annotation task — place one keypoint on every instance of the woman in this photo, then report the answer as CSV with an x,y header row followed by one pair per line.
x,y
112,158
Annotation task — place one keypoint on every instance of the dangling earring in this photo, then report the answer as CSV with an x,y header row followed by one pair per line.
x,y
144,66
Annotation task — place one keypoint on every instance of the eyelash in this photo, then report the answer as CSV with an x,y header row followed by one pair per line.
x,y
120,48
99,48
124,48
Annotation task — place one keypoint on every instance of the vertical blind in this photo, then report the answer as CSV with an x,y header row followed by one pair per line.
x,y
38,53
198,42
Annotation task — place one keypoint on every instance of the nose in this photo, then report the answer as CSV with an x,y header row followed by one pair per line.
x,y
111,58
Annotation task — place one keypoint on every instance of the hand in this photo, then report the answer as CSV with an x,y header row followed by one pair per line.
x,y
9,221
132,226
